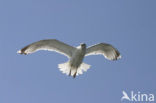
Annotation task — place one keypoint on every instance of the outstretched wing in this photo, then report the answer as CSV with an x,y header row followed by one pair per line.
x,y
49,44
107,50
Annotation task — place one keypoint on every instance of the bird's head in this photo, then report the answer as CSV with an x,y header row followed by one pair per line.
x,y
83,45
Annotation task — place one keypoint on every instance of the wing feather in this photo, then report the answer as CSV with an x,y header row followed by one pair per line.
x,y
107,50
49,44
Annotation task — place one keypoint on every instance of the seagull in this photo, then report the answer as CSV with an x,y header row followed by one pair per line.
x,y
74,66
125,96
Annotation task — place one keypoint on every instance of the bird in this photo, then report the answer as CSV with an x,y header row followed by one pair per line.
x,y
125,96
74,66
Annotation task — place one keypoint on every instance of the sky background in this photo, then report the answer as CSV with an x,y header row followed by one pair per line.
x,y
129,25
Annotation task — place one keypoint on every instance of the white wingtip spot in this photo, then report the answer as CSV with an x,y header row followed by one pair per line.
x,y
119,57
19,51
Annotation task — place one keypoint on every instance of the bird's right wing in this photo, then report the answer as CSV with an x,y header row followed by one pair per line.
x,y
49,44
107,50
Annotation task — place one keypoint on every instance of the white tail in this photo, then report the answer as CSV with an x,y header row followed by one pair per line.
x,y
66,68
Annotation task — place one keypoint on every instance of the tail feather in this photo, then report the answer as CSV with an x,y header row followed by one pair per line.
x,y
64,68
68,70
83,68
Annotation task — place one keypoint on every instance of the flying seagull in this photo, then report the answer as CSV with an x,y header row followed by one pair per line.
x,y
74,66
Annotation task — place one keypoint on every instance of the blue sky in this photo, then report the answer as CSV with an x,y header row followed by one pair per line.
x,y
129,25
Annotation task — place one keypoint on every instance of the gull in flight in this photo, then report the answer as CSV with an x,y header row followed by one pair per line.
x,y
74,66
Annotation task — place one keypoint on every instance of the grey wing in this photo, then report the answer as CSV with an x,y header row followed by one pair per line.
x,y
49,44
107,50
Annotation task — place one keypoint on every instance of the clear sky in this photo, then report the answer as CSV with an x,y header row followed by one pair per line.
x,y
129,25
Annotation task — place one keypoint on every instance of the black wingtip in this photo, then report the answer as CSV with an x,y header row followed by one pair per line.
x,y
22,51
118,56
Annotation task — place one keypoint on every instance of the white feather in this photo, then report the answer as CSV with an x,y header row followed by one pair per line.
x,y
65,68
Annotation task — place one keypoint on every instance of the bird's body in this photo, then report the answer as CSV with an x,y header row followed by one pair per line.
x,y
78,56
75,65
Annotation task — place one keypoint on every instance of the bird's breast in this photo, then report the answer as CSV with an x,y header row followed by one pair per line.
x,y
77,58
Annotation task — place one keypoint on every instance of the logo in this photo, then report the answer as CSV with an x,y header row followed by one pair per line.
x,y
137,96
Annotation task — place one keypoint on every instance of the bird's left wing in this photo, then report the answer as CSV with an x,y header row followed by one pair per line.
x,y
107,50
49,44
